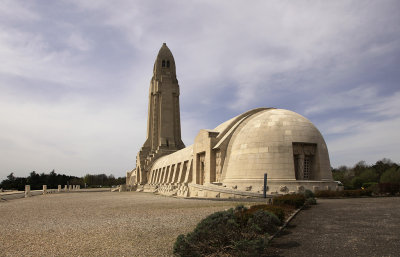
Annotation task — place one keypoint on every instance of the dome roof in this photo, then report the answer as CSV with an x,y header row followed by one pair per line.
x,y
263,143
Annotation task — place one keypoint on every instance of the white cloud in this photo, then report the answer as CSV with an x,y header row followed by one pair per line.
x,y
76,40
17,10
71,136
371,142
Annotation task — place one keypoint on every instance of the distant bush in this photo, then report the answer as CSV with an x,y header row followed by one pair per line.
x,y
391,175
235,232
296,200
328,193
310,201
309,194
344,193
389,188
369,184
356,193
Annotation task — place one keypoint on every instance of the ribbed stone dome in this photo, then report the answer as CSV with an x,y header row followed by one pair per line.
x,y
264,143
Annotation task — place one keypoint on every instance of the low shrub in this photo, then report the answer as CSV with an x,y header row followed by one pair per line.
x,y
296,200
328,193
310,201
262,222
344,193
369,184
356,193
279,211
309,194
235,232
389,188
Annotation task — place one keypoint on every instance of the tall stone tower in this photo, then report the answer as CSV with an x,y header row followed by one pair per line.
x,y
163,120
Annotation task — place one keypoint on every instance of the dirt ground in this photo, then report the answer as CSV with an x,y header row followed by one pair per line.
x,y
143,224
99,224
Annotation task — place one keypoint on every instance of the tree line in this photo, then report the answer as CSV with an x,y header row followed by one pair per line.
x,y
52,180
361,175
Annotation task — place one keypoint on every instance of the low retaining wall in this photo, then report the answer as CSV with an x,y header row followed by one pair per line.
x,y
28,192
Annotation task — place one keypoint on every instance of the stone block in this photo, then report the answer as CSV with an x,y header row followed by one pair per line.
x,y
44,189
122,188
27,190
300,189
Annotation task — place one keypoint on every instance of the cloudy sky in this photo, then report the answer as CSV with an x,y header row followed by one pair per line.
x,y
74,75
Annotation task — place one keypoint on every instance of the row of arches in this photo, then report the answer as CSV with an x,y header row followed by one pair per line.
x,y
175,173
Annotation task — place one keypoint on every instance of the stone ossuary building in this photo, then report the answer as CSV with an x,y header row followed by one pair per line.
x,y
230,160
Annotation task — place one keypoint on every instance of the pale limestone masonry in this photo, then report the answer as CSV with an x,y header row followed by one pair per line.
x,y
230,160
122,188
163,123
59,188
27,190
44,189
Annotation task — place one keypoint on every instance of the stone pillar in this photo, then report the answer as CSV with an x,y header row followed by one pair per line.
x,y
189,170
122,188
44,189
78,187
59,188
27,190
65,188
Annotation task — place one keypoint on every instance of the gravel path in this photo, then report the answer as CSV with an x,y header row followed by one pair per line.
x,y
343,227
99,224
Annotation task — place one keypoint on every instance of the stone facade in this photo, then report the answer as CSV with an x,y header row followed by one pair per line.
x,y
230,160
163,122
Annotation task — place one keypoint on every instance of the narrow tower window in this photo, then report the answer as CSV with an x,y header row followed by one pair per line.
x,y
168,64
163,63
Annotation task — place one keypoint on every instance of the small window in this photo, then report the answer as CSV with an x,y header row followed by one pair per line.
x,y
307,167
168,64
163,63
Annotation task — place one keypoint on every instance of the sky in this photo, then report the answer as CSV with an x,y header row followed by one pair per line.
x,y
74,75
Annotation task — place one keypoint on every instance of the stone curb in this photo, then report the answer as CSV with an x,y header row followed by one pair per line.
x,y
286,223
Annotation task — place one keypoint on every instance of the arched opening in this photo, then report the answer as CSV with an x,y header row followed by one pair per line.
x,y
163,63
168,64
